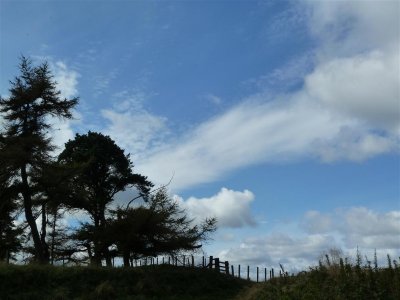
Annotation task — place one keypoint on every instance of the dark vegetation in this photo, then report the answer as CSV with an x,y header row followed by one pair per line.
x,y
334,280
341,280
37,188
151,282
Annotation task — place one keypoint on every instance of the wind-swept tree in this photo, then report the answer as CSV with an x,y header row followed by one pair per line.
x,y
26,147
159,227
104,171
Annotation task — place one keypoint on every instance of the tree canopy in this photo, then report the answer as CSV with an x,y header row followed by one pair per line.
x,y
103,171
87,177
26,146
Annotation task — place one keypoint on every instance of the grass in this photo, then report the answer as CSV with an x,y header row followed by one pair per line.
x,y
333,281
340,280
151,282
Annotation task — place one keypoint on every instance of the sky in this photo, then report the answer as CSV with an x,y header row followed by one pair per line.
x,y
280,118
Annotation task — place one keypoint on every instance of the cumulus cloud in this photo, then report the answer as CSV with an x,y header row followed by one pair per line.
x,y
348,27
231,208
365,86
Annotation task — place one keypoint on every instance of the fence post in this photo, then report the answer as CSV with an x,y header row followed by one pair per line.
x,y
176,261
226,267
192,261
248,272
239,271
211,262
217,264
184,260
232,271
203,261
257,274
265,274
273,275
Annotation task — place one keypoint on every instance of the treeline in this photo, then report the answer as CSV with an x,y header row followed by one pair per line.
x,y
37,189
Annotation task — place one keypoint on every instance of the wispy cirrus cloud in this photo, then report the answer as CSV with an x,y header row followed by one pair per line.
x,y
347,108
132,126
67,84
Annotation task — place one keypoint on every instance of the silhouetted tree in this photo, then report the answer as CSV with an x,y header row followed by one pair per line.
x,y
26,146
9,233
161,227
104,170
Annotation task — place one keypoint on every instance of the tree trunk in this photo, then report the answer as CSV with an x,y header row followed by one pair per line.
x,y
53,236
126,258
104,247
39,247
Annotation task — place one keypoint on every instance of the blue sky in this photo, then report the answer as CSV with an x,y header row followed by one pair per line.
x,y
281,118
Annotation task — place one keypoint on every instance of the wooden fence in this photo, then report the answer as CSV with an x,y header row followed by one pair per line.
x,y
258,274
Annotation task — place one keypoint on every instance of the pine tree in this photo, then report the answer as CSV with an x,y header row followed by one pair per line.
x,y
26,146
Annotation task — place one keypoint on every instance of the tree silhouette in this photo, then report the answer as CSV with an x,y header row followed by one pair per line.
x,y
104,170
161,227
9,240
26,147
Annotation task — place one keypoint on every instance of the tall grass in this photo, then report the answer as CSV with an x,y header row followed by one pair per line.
x,y
341,280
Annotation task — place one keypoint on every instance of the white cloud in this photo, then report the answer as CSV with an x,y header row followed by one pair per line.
x,y
133,127
231,208
358,226
295,253
349,27
301,246
348,108
365,86
67,83
258,131
67,79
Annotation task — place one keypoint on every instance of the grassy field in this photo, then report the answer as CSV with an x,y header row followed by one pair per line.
x,y
342,281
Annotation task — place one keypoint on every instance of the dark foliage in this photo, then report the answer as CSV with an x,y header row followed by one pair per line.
x,y
158,228
153,282
25,145
102,170
335,281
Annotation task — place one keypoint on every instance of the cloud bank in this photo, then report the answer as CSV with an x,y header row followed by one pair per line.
x,y
318,232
